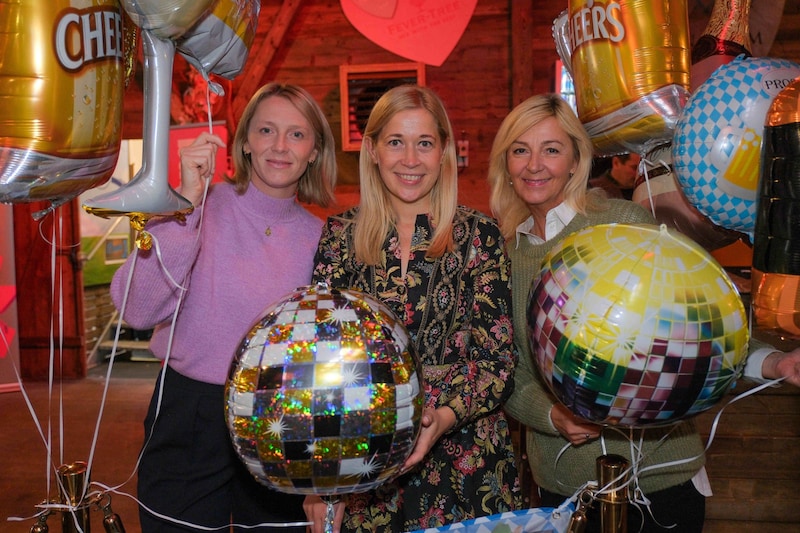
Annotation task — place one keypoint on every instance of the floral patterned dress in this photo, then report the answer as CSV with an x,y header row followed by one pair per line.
x,y
457,310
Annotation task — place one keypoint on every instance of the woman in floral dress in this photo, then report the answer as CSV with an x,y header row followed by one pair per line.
x,y
442,269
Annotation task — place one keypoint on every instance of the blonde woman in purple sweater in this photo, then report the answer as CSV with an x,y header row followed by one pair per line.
x,y
255,244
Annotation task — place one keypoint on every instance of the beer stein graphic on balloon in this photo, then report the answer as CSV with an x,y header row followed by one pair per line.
x,y
61,77
716,150
735,153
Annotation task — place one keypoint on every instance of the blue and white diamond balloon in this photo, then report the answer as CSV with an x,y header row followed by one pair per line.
x,y
324,395
716,149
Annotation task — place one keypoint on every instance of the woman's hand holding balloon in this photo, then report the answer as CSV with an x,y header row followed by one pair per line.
x,y
572,428
783,365
435,423
198,165
316,510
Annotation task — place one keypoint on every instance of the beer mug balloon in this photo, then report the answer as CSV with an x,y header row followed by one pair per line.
x,y
62,113
630,62
635,325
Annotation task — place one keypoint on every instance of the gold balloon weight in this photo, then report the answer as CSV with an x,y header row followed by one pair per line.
x,y
74,479
76,502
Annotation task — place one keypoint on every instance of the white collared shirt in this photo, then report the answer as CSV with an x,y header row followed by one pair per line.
x,y
556,220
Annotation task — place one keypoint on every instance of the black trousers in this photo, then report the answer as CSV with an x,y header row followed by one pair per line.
x,y
191,473
681,505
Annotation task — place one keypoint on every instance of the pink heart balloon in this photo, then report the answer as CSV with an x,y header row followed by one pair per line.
x,y
379,8
420,31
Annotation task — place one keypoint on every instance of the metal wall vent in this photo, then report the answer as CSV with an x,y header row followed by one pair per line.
x,y
362,85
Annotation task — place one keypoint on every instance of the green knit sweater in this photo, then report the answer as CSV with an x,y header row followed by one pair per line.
x,y
531,401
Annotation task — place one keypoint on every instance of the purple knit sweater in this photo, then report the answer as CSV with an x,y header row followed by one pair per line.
x,y
232,276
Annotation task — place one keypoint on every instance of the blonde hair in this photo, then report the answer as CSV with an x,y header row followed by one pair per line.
x,y
509,209
375,216
317,183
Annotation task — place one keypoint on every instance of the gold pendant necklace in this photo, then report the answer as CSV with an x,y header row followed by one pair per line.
x,y
268,231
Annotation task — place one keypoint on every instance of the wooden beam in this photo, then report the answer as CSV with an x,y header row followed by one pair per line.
x,y
261,55
40,276
521,52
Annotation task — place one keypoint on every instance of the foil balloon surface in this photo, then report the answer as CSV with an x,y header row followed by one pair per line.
x,y
215,37
220,42
325,395
630,62
149,193
62,113
716,149
725,37
635,325
167,19
776,244
658,190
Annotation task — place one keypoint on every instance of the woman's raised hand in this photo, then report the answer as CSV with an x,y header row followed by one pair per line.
x,y
197,165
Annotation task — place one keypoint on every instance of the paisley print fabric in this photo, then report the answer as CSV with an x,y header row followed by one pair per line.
x,y
457,310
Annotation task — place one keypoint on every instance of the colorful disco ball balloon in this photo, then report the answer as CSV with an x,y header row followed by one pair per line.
x,y
324,395
717,142
635,325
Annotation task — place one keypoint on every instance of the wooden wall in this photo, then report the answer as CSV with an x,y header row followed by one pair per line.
x,y
506,54
475,81
754,458
49,292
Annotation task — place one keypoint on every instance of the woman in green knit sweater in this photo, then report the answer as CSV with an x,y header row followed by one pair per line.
x,y
538,172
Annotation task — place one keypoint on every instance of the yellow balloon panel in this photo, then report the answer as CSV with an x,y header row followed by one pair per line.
x,y
622,51
630,62
60,76
60,102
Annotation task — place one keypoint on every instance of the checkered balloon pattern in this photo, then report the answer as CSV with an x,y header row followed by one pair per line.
x,y
716,148
635,325
324,395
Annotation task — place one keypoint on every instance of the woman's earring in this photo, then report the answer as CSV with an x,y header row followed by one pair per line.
x,y
571,174
311,162
246,154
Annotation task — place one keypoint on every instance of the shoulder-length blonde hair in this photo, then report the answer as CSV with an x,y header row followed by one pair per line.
x,y
317,183
375,216
504,202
